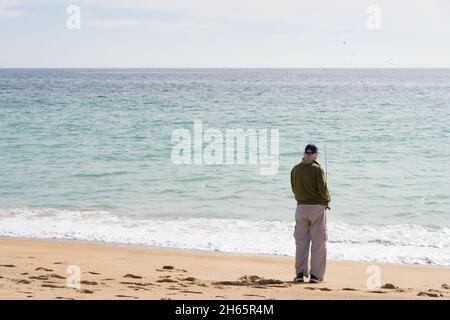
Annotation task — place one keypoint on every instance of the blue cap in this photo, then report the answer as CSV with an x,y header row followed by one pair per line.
x,y
311,148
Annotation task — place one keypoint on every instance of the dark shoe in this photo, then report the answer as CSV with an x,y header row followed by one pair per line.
x,y
314,279
299,278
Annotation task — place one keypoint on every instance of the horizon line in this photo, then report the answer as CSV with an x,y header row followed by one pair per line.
x,y
234,67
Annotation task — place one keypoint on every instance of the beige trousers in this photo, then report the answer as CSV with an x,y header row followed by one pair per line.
x,y
310,230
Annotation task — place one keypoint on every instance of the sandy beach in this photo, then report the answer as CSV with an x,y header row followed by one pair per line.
x,y
37,269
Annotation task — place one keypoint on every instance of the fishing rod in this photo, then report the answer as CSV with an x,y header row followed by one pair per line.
x,y
326,172
326,164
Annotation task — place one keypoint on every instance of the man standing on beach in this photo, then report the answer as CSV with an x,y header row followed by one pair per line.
x,y
309,186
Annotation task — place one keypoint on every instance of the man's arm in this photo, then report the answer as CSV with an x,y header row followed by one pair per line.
x,y
292,181
322,186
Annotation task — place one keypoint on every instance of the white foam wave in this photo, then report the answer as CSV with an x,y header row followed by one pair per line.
x,y
402,243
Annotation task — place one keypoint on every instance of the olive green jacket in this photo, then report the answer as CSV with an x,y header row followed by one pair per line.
x,y
309,184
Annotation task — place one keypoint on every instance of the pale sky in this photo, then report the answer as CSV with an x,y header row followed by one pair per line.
x,y
226,33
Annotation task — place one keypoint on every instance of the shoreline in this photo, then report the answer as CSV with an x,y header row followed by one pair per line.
x,y
389,243
37,269
145,247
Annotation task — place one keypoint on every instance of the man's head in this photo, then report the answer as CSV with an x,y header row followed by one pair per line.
x,y
311,151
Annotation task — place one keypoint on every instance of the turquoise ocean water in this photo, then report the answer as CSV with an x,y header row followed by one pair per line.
x,y
86,154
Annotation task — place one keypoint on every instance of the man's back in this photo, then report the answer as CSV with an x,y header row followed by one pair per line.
x,y
309,184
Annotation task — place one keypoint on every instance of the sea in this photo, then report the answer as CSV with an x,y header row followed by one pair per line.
x,y
87,154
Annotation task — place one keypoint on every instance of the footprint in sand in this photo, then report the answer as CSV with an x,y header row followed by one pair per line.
x,y
254,295
445,286
87,291
140,284
315,288
57,276
137,288
47,285
166,280
38,277
349,289
93,272
429,294
434,290
189,291
89,283
190,279
22,281
129,275
377,291
43,269
64,298
57,262
7,265
125,296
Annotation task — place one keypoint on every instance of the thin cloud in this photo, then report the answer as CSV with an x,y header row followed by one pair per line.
x,y
11,13
193,27
130,23
8,9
